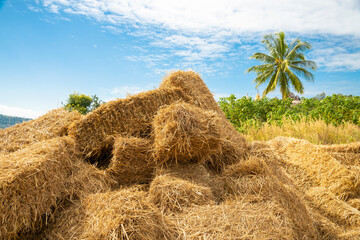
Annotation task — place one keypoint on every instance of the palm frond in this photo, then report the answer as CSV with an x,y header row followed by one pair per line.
x,y
262,78
305,64
272,83
295,81
299,47
263,58
302,72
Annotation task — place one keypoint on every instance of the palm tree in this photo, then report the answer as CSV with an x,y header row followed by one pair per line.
x,y
282,64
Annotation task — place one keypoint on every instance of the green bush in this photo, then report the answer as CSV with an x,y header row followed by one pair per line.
x,y
82,103
335,109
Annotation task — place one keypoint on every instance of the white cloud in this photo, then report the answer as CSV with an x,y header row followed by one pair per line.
x,y
204,16
207,30
19,112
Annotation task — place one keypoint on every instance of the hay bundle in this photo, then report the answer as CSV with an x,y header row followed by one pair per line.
x,y
52,124
185,133
263,181
192,84
129,116
122,214
234,145
318,165
31,182
132,160
235,219
197,174
172,194
347,154
333,207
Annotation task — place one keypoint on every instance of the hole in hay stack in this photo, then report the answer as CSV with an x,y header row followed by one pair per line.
x,y
102,159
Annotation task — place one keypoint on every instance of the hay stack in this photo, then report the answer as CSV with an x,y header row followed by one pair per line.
x,y
132,160
185,133
129,116
31,182
234,146
122,214
347,154
333,207
261,181
53,124
192,84
318,165
171,194
196,174
235,219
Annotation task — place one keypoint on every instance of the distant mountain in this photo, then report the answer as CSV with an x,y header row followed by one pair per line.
x,y
7,121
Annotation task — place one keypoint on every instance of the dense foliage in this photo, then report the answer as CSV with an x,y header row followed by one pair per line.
x,y
82,103
7,121
335,109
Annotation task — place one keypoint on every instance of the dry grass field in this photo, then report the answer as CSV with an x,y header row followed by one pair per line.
x,y
166,164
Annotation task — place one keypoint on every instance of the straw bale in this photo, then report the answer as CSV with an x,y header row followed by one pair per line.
x,y
31,181
129,116
318,165
347,154
185,133
233,146
53,124
197,174
192,84
235,219
354,202
85,179
333,207
171,194
259,181
132,160
122,214
326,229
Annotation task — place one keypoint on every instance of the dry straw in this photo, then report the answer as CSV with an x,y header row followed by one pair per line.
x,y
318,165
53,124
129,116
185,133
197,174
333,207
132,160
173,194
233,145
261,181
122,214
347,154
31,182
235,219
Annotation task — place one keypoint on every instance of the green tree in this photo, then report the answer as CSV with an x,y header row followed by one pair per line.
x,y
282,64
82,103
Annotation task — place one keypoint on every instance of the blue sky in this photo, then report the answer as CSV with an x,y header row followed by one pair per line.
x,y
111,48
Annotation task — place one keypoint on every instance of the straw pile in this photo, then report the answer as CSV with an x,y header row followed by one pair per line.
x,y
347,154
53,124
199,178
318,166
130,116
233,145
31,182
132,160
185,133
172,194
122,214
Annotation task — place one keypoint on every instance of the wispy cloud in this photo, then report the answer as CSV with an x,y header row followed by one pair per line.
x,y
19,112
205,31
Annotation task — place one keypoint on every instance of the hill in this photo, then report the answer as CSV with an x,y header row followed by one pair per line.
x,y
7,121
